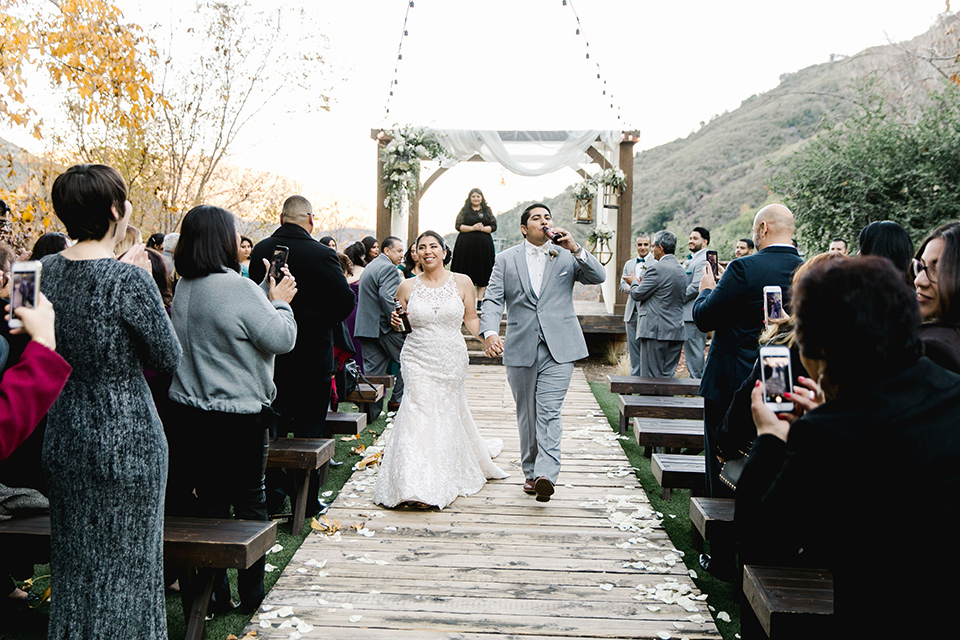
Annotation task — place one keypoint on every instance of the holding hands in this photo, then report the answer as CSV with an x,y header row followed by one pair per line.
x,y
807,396
493,346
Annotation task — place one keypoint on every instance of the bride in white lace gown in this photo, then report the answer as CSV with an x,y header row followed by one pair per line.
x,y
435,451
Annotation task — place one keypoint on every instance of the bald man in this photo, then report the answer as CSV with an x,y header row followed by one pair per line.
x,y
733,310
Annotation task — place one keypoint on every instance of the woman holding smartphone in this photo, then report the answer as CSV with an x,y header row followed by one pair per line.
x,y
220,416
104,452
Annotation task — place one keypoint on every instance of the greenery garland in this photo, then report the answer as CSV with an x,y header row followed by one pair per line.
x,y
401,163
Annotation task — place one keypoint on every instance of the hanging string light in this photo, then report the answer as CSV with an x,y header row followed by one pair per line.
x,y
614,106
394,82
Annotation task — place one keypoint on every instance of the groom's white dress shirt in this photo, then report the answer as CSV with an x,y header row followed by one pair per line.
x,y
536,263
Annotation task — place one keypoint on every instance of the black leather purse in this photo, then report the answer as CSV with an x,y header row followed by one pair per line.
x,y
352,379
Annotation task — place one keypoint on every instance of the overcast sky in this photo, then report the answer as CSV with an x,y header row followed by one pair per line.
x,y
518,64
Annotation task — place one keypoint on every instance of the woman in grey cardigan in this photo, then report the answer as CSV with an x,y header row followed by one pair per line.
x,y
230,330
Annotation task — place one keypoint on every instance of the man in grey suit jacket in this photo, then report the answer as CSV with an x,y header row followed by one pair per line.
x,y
634,267
695,341
378,341
661,290
534,280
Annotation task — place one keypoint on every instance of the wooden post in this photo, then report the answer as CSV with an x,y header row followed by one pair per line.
x,y
383,214
413,218
625,238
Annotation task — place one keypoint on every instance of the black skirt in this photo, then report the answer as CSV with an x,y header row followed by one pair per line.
x,y
473,255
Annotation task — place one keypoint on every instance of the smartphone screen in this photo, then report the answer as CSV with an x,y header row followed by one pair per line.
x,y
777,377
773,303
23,292
714,264
276,263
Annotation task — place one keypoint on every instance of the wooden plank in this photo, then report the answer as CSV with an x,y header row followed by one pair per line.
x,y
348,423
498,562
651,432
712,518
365,394
672,408
677,471
300,453
386,381
653,386
790,603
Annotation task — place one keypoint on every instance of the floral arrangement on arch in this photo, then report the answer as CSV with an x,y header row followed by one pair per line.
x,y
401,162
601,233
612,177
586,191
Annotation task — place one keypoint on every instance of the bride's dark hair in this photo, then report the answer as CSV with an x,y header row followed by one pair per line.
x,y
433,234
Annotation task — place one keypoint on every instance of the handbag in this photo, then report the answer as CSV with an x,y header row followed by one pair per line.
x,y
730,472
352,379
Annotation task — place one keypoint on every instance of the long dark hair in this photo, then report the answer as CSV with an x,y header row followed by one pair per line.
x,y
468,207
356,252
368,242
208,242
48,244
887,239
948,270
161,275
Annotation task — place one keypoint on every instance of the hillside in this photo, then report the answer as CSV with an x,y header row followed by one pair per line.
x,y
717,176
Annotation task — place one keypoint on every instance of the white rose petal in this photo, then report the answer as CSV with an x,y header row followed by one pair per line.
x,y
355,618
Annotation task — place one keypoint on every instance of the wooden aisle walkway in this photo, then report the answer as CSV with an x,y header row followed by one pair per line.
x,y
593,562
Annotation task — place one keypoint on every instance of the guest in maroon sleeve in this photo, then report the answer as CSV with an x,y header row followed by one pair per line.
x,y
30,387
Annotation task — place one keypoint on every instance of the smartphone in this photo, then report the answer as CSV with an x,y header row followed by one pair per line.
x,y
777,377
773,304
279,259
24,288
712,260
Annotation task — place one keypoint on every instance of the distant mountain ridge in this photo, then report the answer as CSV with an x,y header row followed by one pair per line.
x,y
717,177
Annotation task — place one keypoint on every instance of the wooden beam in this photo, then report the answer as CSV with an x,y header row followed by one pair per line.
x,y
625,217
413,218
383,214
597,157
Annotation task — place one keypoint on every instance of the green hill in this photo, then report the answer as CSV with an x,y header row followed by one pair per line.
x,y
717,177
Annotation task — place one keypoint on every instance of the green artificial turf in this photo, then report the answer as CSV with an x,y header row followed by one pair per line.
x,y
676,518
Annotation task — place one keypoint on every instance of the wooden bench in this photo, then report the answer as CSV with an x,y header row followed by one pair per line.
x,y
199,545
677,471
346,423
658,407
790,603
711,519
303,455
653,386
386,381
673,434
366,396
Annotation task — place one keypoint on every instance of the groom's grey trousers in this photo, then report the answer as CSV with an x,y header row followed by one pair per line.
x,y
538,391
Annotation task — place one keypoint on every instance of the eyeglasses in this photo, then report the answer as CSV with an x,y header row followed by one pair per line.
x,y
917,267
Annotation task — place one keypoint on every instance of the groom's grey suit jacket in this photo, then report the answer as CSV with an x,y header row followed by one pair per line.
x,y
550,314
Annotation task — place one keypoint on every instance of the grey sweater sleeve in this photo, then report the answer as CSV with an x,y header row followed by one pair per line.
x,y
270,326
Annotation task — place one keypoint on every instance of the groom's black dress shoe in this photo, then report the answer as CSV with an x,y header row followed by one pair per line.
x,y
528,486
544,489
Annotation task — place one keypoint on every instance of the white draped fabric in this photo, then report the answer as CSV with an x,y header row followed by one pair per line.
x,y
527,153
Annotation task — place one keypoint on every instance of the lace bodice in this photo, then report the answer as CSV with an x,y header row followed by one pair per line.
x,y
437,309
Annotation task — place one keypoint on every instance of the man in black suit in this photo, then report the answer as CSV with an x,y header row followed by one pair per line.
x,y
323,300
733,310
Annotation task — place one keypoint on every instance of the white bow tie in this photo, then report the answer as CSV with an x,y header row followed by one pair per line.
x,y
543,249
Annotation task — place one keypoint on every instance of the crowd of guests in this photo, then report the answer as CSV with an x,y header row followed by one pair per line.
x,y
146,369
875,349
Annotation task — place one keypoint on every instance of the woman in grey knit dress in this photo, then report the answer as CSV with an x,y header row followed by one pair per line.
x,y
104,452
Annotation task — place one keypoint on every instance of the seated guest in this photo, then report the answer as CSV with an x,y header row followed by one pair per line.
x,y
936,273
889,240
49,243
220,416
813,491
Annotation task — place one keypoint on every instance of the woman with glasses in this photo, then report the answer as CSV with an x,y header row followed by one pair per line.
x,y
936,276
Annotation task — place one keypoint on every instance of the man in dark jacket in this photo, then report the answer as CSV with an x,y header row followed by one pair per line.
x,y
323,300
733,310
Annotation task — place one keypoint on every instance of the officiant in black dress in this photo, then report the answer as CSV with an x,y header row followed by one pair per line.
x,y
473,253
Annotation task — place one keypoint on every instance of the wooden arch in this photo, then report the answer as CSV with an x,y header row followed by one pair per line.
x,y
624,246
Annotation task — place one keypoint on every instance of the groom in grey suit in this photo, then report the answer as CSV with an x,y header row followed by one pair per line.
x,y
534,280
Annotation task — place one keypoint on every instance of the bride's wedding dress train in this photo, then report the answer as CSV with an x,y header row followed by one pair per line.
x,y
435,452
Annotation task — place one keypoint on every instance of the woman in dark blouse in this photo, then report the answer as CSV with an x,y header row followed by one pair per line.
x,y
936,276
473,253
